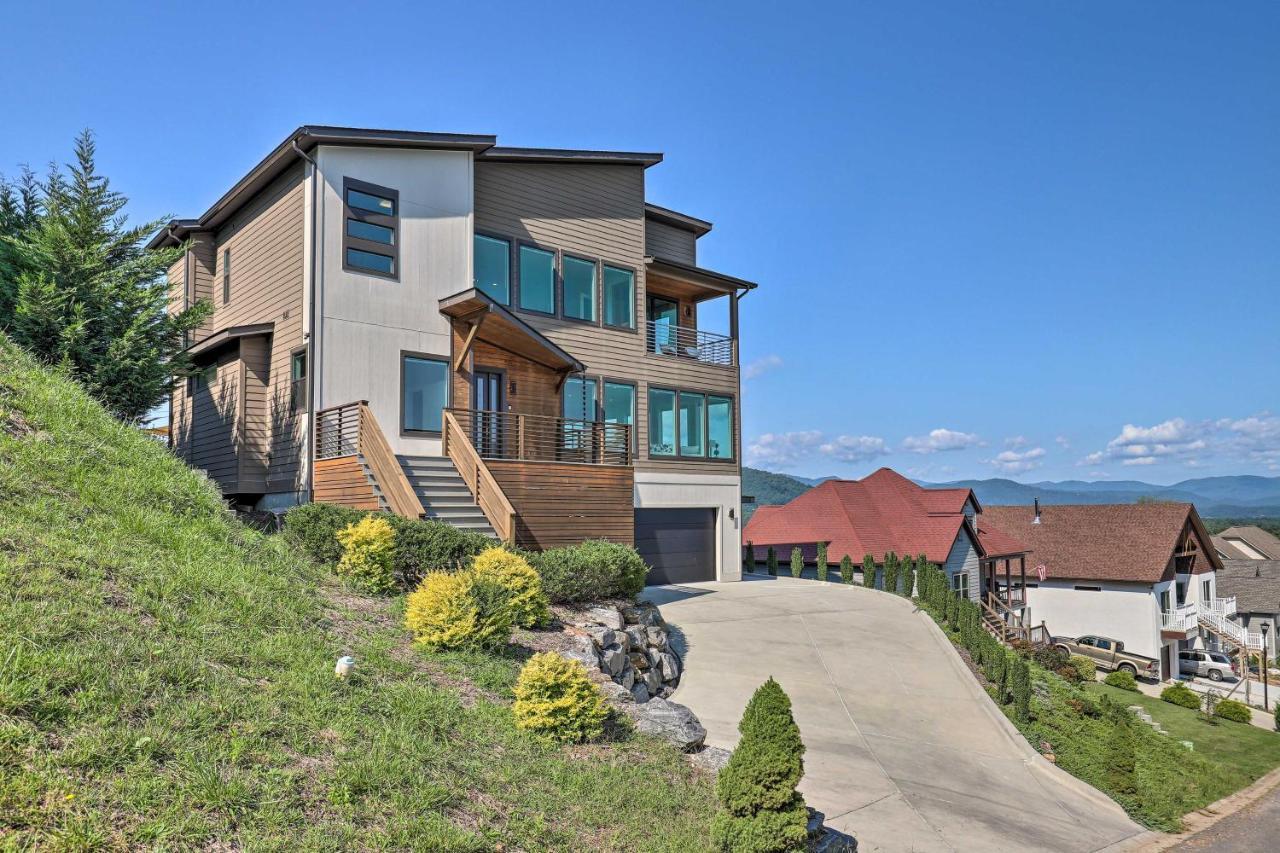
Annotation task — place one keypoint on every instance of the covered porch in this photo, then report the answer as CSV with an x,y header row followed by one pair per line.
x,y
1002,594
674,294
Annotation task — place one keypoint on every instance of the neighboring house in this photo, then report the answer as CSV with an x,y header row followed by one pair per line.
x,y
1144,574
1247,543
885,512
1255,585
503,338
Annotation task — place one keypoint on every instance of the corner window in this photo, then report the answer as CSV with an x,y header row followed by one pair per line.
x,y
619,297
424,393
537,280
662,422
719,427
492,264
298,381
226,276
620,405
371,217
693,427
578,279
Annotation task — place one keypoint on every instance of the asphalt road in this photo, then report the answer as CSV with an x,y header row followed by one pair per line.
x,y
1253,829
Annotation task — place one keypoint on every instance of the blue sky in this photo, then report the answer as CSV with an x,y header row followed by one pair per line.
x,y
1031,239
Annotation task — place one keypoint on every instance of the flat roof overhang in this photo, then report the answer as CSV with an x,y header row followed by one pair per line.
x,y
695,283
494,324
223,337
676,219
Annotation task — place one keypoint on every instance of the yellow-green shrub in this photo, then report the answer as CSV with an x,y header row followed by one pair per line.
x,y
367,550
555,700
454,610
523,585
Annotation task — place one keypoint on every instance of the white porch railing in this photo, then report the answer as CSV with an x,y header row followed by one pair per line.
x,y
1183,617
1215,614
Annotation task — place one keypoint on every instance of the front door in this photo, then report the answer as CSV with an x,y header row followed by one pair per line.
x,y
488,404
664,316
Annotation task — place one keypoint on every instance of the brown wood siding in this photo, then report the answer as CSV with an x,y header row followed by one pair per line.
x,y
535,386
597,212
210,440
599,506
667,241
343,481
254,436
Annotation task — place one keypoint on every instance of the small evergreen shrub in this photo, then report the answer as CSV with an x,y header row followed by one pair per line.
x,y
1069,674
457,610
1182,695
367,549
1050,658
556,701
1123,679
797,562
772,562
1236,712
526,600
1085,667
590,571
1020,688
890,572
749,559
313,528
907,574
869,571
760,809
846,569
822,561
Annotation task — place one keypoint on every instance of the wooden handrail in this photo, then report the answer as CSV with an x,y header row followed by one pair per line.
x,y
484,486
386,469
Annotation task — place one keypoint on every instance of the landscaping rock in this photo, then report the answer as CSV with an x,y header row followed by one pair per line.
x,y
657,638
640,661
583,649
602,636
1188,744
653,681
672,722
638,637
823,839
605,615
628,677
640,693
615,692
668,666
613,659
712,758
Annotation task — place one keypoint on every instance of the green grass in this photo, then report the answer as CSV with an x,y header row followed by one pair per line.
x,y
1247,750
166,681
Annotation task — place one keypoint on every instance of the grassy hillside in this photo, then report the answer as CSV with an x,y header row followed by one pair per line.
x,y
166,681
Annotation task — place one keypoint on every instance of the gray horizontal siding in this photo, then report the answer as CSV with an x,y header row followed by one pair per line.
x,y
667,241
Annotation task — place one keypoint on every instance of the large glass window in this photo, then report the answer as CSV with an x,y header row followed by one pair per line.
x,y
619,297
493,268
720,427
692,424
579,399
537,280
662,422
426,393
579,284
371,214
620,405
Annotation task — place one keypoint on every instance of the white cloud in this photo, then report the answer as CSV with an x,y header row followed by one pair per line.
x,y
1014,462
1253,440
855,448
1139,460
1063,442
761,366
782,449
1017,441
939,440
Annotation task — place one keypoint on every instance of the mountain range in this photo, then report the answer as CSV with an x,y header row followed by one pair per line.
x,y
1241,496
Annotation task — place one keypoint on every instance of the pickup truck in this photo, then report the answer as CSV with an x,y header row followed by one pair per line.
x,y
1109,654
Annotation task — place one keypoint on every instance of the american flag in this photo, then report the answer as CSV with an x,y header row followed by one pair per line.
x,y
1041,571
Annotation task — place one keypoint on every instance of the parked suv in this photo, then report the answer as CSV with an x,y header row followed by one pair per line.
x,y
1109,654
1214,665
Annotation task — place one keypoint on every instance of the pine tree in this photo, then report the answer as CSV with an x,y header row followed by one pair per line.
x,y
846,570
19,210
869,571
797,562
88,295
771,561
760,809
749,559
822,561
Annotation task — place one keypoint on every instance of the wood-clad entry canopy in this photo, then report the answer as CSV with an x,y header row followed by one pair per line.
x,y
490,322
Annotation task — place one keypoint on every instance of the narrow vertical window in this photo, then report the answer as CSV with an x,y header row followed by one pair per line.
x,y
620,406
619,297
492,264
537,280
579,286
226,276
719,427
662,422
693,424
298,382
371,217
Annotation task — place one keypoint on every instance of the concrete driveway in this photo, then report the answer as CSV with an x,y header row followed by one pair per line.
x,y
904,750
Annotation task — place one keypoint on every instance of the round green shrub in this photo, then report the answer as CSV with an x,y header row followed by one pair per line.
x,y
556,701
1236,712
760,809
591,571
1085,667
1123,679
313,529
1181,695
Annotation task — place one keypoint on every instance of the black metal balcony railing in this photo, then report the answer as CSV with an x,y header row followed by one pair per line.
x,y
682,342
539,438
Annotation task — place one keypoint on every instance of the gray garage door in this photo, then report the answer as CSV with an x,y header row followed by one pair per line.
x,y
678,544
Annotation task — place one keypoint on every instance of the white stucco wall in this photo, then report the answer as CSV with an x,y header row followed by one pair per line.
x,y
1126,612
657,490
366,321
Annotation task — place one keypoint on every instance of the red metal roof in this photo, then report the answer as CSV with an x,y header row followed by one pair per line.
x,y
875,515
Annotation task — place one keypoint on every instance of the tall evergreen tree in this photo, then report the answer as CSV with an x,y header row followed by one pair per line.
x,y
79,289
797,562
771,561
822,561
869,571
846,569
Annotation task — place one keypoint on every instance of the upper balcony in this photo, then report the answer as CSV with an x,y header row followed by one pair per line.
x,y
682,342
679,300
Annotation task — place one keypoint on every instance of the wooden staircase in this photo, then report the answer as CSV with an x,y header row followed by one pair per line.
x,y
1008,624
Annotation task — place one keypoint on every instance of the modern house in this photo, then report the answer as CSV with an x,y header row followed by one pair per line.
x,y
1144,574
1255,585
886,513
1247,542
507,339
